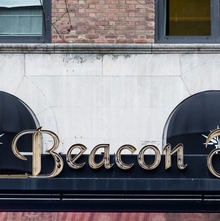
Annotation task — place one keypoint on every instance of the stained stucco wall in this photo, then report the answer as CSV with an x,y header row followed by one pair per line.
x,y
110,94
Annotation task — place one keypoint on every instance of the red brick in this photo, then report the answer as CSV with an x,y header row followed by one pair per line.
x,y
103,21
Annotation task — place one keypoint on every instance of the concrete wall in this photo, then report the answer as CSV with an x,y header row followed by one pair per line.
x,y
106,95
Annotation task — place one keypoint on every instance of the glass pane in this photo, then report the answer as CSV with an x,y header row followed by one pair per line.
x,y
19,3
188,18
25,21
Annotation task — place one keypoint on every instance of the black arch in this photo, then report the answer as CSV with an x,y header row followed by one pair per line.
x,y
193,119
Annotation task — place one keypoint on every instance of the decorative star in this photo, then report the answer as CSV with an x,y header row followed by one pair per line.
x,y
1,136
214,141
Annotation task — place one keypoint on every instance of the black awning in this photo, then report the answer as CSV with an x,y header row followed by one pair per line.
x,y
15,116
192,120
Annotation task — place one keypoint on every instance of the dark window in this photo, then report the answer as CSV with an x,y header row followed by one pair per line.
x,y
186,21
25,21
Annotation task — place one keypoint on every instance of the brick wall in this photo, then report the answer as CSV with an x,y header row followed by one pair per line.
x,y
103,21
32,216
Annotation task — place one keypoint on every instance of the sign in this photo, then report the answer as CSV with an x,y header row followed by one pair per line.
x,y
179,177
105,162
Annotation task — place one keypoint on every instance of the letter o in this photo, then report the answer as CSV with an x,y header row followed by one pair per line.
x,y
157,159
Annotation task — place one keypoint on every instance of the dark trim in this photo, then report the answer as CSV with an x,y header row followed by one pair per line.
x,y
56,203
116,190
46,36
47,18
194,179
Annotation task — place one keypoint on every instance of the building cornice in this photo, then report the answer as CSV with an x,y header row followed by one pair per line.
x,y
109,48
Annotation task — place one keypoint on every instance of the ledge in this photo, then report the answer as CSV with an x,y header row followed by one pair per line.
x,y
109,48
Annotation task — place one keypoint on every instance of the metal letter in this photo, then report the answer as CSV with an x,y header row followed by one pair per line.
x,y
168,153
156,160
36,148
105,160
71,160
213,134
118,159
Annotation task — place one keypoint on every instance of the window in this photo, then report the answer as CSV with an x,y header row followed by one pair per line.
x,y
187,21
25,21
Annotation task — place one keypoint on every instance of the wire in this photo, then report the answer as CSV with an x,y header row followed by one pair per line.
x,y
67,11
57,20
57,31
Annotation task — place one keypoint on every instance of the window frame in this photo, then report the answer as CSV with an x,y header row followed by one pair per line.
x,y
46,29
160,27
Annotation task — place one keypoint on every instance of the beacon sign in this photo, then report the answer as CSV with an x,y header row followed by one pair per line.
x,y
105,161
184,132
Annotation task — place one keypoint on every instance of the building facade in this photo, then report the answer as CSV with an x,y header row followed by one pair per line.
x,y
108,71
